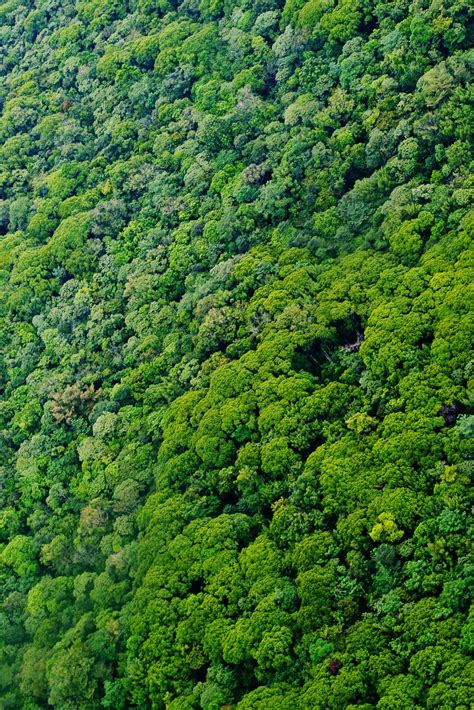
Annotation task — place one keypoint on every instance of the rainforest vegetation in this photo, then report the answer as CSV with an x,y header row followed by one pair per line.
x,y
235,331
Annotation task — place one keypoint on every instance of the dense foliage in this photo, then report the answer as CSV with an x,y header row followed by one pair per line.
x,y
234,354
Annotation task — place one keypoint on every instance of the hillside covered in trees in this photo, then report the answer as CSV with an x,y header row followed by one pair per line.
x,y
235,322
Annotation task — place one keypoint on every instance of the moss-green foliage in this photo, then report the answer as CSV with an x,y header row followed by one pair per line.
x,y
235,272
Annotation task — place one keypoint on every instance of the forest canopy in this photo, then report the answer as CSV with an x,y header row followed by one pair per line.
x,y
235,332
